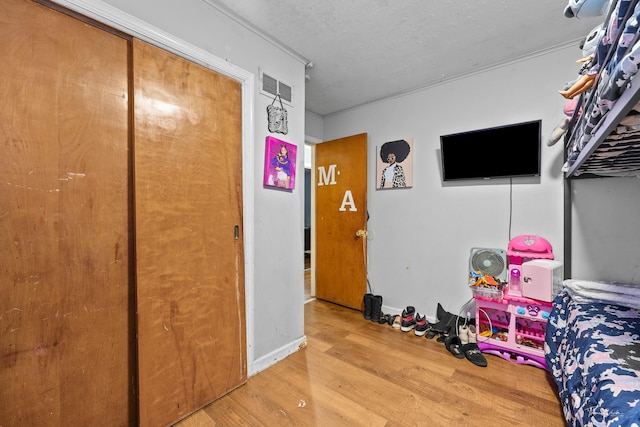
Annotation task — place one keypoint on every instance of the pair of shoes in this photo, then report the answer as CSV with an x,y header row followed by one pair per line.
x,y
453,343
386,318
470,345
372,307
408,319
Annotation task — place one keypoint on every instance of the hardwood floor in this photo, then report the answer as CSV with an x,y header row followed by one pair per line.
x,y
357,373
307,277
307,285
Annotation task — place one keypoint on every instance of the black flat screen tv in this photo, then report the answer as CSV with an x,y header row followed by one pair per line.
x,y
499,152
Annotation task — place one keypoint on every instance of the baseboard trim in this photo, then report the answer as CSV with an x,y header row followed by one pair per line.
x,y
276,356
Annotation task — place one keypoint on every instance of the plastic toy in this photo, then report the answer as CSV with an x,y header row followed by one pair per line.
x,y
584,83
486,281
513,326
513,329
586,8
528,246
588,72
581,84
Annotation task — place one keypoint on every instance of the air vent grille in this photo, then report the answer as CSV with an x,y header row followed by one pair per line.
x,y
285,91
271,86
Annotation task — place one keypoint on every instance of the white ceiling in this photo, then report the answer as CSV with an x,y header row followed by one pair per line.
x,y
366,50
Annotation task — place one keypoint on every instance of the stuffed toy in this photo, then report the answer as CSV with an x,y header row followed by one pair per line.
x,y
590,43
563,126
586,8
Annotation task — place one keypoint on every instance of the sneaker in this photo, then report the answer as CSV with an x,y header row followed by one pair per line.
x,y
422,325
408,319
463,333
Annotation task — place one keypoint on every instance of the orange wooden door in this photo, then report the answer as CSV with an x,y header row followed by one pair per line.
x,y
188,214
66,344
341,216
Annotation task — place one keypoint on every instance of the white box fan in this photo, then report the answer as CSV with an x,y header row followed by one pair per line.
x,y
490,262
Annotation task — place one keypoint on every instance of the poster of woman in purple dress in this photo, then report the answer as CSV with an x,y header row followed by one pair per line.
x,y
279,164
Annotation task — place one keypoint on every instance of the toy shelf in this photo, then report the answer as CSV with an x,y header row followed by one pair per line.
x,y
513,328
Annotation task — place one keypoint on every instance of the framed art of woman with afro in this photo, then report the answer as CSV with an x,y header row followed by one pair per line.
x,y
395,165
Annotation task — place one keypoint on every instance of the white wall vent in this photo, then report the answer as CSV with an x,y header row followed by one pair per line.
x,y
271,86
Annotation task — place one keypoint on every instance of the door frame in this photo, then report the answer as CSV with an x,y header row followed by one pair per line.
x,y
115,18
311,141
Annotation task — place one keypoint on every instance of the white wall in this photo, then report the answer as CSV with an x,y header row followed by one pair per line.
x,y
313,124
421,237
275,294
606,229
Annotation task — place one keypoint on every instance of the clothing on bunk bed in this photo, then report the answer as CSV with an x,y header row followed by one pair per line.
x,y
614,75
624,294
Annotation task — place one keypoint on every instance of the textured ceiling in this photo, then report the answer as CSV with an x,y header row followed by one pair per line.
x,y
366,50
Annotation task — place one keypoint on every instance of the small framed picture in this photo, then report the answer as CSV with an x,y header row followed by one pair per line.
x,y
395,164
279,164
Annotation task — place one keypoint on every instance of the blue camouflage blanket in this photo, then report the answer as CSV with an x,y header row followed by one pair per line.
x,y
593,353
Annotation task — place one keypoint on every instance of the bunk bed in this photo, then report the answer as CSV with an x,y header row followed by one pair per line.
x,y
592,340
604,132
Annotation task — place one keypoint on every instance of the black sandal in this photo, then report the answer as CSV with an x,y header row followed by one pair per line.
x,y
454,345
473,353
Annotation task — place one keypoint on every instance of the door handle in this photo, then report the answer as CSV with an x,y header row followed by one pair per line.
x,y
361,233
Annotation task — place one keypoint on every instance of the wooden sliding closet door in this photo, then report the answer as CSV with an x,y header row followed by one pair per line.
x,y
66,342
188,209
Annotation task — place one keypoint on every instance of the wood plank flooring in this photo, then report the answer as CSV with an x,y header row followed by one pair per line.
x,y
307,277
357,373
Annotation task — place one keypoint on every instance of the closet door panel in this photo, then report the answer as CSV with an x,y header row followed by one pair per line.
x,y
65,340
188,202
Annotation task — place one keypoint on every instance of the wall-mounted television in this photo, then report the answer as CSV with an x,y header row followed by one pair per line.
x,y
498,152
